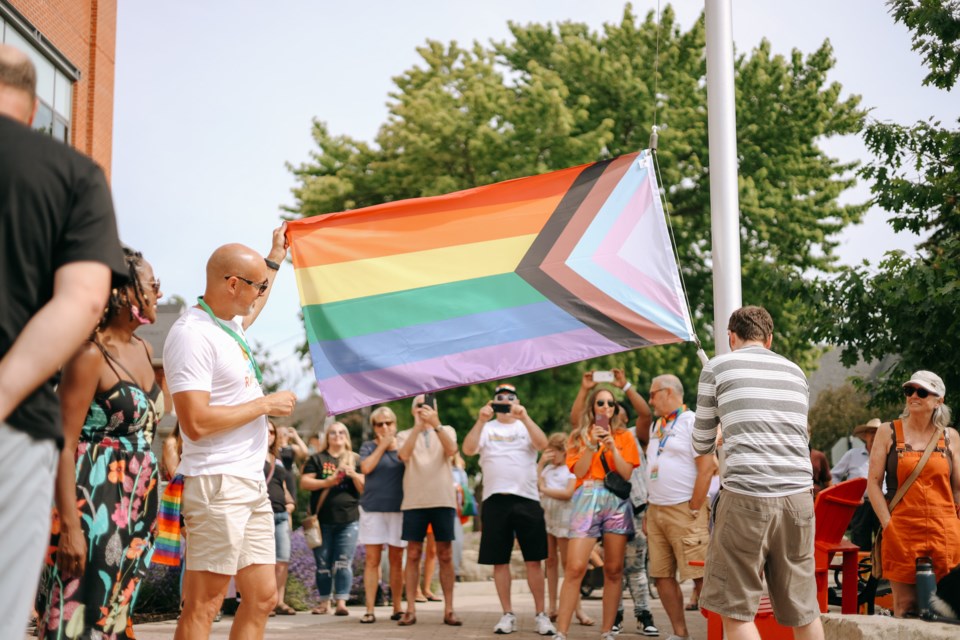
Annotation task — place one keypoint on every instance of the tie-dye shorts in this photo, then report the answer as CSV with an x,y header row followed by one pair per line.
x,y
597,511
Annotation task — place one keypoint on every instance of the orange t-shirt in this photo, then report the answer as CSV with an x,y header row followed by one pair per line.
x,y
625,443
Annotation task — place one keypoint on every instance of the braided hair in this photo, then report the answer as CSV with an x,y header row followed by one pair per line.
x,y
120,296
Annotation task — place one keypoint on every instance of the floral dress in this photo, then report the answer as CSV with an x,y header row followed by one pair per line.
x,y
117,499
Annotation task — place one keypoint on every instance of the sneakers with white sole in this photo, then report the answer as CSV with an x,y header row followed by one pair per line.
x,y
645,624
507,624
543,624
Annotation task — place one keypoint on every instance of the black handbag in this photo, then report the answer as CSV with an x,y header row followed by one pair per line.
x,y
614,482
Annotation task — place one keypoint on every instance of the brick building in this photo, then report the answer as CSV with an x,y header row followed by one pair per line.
x,y
73,45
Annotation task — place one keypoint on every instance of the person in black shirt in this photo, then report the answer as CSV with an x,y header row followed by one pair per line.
x,y
58,251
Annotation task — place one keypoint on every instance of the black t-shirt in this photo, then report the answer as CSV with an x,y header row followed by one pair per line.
x,y
343,503
278,499
55,208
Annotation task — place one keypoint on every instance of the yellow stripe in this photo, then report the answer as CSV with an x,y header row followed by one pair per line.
x,y
399,272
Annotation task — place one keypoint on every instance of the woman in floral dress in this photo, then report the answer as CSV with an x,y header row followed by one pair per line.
x,y
106,491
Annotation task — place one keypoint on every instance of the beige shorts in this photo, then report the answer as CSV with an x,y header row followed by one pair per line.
x,y
674,539
229,523
756,536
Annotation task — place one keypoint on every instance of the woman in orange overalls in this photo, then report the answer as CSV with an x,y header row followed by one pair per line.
x,y
926,521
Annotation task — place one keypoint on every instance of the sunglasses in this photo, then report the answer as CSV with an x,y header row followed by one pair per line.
x,y
382,424
506,397
155,285
920,391
261,286
608,403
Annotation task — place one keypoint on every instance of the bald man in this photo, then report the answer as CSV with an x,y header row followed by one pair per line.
x,y
216,387
58,249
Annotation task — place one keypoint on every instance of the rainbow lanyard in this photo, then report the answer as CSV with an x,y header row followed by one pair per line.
x,y
663,431
233,334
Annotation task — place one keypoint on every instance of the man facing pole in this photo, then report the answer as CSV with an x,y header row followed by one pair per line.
x,y
764,526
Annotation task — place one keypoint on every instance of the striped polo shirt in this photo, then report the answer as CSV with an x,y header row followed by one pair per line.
x,y
760,398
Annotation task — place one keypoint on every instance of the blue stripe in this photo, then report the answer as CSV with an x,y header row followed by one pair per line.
x,y
422,342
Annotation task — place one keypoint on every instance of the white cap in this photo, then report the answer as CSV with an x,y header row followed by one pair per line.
x,y
929,381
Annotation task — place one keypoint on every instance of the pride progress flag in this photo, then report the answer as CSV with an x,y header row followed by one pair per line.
x,y
488,283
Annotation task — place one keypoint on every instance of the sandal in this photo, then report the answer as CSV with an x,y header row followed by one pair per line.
x,y
321,609
284,609
407,619
452,619
341,612
396,615
692,606
368,618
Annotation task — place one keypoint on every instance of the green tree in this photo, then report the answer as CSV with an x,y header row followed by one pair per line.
x,y
554,96
837,411
909,305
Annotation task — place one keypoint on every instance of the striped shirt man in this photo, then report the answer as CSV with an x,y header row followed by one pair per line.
x,y
760,398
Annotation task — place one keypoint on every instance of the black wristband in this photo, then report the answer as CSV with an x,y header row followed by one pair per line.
x,y
272,265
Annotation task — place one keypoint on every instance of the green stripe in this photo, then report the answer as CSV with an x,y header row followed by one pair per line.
x,y
374,314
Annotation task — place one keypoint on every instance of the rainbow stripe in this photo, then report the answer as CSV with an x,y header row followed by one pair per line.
x,y
166,547
431,293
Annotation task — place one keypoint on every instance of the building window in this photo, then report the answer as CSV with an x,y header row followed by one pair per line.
x,y
54,87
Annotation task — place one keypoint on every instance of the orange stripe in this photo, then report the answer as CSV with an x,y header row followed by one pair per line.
x,y
502,210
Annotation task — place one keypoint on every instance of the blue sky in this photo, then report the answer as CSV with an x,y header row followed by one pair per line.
x,y
212,99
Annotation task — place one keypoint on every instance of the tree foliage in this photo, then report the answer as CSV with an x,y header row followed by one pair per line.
x,y
554,96
838,410
909,305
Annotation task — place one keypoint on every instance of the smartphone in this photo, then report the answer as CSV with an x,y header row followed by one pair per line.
x,y
603,376
430,400
602,420
500,407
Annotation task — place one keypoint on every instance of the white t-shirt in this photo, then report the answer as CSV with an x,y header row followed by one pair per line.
x,y
672,471
508,460
557,476
200,356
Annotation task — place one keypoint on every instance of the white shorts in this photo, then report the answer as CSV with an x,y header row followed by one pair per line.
x,y
228,522
381,527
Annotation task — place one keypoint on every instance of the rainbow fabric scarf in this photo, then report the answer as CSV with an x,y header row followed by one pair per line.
x,y
488,283
166,548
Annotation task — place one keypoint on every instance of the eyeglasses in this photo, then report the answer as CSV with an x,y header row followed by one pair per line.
x,y
920,391
262,286
608,403
506,397
382,424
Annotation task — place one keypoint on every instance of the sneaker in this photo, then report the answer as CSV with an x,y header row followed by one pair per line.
x,y
617,624
645,624
507,624
543,624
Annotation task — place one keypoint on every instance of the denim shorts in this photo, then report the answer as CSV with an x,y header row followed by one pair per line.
x,y
281,522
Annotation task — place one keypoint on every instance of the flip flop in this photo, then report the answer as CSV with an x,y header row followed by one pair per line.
x,y
407,619
433,598
396,615
284,609
341,612
452,620
368,618
692,606
420,599
320,610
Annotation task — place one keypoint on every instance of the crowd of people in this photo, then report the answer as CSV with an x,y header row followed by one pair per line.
x,y
653,494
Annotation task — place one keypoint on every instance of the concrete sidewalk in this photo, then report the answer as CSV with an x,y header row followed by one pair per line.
x,y
476,604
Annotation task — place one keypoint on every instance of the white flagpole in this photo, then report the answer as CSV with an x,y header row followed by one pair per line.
x,y
724,196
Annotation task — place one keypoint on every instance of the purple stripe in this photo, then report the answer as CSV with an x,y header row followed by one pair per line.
x,y
355,390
